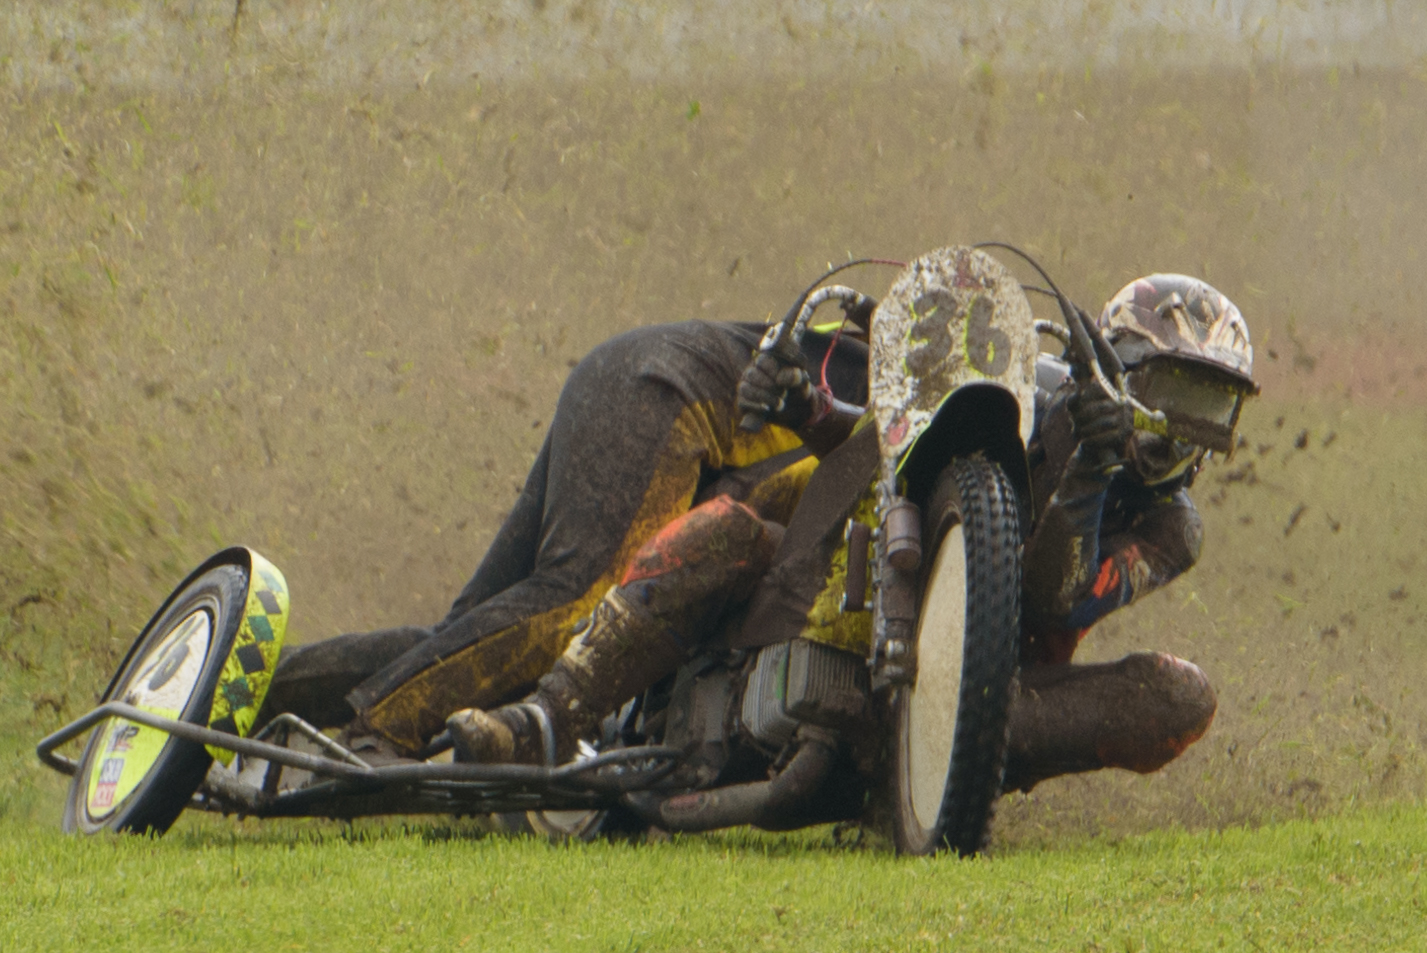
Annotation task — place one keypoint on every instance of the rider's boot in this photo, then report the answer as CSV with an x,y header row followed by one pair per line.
x,y
1138,713
622,651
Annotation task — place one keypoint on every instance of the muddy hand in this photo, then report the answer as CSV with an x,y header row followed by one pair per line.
x,y
776,390
1101,425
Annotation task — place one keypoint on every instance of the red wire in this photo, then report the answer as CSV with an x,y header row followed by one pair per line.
x,y
823,385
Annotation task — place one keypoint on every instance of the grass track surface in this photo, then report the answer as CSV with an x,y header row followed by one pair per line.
x,y
1349,882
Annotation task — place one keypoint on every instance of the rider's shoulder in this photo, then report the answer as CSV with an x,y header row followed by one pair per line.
x,y
1051,372
1052,376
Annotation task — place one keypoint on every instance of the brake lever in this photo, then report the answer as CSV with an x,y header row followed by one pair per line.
x,y
1083,362
1105,354
1095,354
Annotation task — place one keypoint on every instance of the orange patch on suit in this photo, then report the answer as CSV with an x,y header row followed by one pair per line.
x,y
687,537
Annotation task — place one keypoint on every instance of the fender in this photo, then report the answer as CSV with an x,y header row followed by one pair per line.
x,y
978,418
953,372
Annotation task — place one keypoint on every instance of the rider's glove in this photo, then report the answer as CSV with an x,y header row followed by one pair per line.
x,y
1102,428
778,391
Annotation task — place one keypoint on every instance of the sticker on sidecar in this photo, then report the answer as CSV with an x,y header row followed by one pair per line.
x,y
955,316
119,774
248,669
163,684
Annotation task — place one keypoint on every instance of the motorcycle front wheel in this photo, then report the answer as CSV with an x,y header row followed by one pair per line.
x,y
139,779
949,725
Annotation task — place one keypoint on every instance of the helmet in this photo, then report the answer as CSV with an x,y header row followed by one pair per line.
x,y
1186,350
1180,316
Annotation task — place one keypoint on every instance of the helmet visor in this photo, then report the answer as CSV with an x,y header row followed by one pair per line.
x,y
1173,386
1200,403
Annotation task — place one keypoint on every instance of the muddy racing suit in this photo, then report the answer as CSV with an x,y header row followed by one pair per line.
x,y
645,425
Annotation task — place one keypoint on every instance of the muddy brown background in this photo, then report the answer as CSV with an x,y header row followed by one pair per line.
x,y
310,277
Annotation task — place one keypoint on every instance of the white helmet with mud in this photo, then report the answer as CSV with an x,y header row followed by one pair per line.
x,y
1176,314
1187,354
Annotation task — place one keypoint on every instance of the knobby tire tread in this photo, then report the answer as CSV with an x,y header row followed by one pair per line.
x,y
990,517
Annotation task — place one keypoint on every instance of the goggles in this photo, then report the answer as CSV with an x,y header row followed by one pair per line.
x,y
1200,401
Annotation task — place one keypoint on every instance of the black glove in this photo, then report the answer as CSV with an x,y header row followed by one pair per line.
x,y
1101,427
776,390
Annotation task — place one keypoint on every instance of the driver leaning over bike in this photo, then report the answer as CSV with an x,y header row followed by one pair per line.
x,y
651,528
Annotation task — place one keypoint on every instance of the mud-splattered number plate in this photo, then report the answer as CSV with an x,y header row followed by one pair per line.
x,y
955,316
163,686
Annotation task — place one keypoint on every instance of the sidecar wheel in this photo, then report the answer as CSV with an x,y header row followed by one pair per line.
x,y
137,779
949,726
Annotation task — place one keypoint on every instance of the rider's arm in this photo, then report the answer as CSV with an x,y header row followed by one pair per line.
x,y
1074,576
1081,563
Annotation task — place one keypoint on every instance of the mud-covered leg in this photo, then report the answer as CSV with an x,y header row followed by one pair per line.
x,y
670,599
311,680
1138,713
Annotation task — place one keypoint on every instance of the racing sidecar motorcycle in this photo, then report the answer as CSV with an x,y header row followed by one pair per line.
x,y
911,734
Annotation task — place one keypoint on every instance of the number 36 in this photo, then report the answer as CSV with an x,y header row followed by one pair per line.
x,y
987,348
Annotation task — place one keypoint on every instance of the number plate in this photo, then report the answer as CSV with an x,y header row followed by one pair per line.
x,y
954,317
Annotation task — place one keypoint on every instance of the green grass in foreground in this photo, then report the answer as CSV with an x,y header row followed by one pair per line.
x,y
1350,882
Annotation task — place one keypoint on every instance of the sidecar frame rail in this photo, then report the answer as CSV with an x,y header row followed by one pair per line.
x,y
398,788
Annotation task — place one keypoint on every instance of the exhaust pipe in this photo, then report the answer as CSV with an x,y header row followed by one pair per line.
x,y
761,803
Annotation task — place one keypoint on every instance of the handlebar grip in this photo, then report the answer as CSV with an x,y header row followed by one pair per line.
x,y
751,422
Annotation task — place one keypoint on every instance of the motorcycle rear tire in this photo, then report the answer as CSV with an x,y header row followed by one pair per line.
x,y
554,825
579,825
172,669
950,725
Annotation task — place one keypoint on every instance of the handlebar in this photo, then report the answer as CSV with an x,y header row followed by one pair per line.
x,y
782,339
